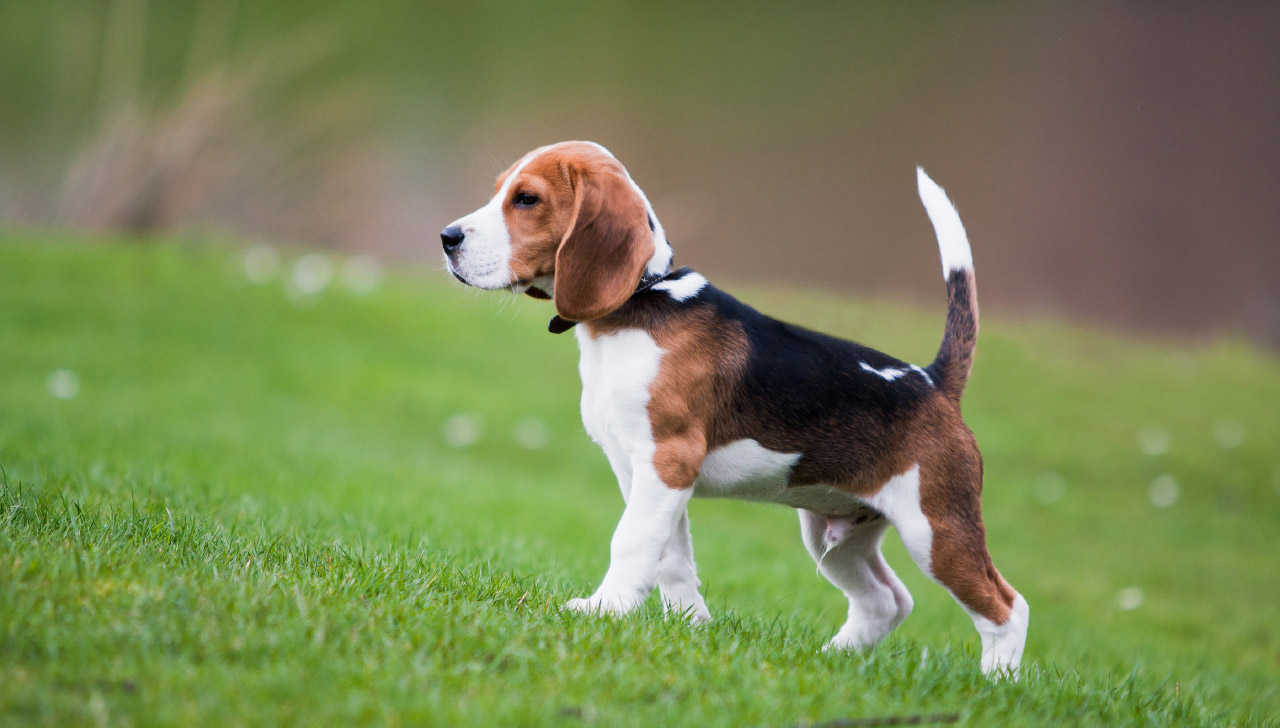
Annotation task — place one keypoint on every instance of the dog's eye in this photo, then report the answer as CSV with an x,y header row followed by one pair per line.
x,y
524,199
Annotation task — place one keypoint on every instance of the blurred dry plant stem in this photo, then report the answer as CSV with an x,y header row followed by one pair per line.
x,y
246,145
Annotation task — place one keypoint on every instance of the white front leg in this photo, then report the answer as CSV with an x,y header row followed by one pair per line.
x,y
647,526
678,576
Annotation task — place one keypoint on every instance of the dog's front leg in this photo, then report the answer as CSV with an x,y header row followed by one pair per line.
x,y
678,577
678,574
648,522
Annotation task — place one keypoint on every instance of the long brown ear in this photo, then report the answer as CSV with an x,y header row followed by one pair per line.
x,y
602,257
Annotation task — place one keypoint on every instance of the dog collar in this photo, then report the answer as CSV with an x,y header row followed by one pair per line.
x,y
559,324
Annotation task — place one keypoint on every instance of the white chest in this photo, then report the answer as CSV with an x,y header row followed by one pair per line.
x,y
617,370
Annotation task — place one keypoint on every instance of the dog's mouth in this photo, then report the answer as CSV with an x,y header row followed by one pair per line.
x,y
516,287
448,265
527,288
453,270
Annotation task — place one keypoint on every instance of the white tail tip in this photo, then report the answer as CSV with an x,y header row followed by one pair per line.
x,y
953,243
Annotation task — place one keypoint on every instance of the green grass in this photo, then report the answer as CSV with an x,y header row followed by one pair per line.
x,y
250,513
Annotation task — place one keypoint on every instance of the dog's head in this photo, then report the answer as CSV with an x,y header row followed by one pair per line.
x,y
565,222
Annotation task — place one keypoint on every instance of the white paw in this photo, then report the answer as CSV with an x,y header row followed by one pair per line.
x,y
681,599
1002,645
693,613
839,646
1003,672
597,604
851,641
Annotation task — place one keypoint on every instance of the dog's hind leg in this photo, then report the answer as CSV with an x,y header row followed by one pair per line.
x,y
847,551
943,532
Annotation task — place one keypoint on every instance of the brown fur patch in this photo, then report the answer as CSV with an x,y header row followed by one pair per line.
x,y
960,337
602,257
536,231
701,361
950,497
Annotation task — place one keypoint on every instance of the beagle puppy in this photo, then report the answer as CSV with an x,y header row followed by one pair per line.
x,y
692,393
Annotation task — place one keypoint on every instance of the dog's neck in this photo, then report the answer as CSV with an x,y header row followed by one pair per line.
x,y
559,324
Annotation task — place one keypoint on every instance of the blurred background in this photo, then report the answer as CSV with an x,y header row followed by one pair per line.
x,y
219,221
1116,163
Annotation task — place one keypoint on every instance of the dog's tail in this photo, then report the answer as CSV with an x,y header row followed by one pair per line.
x,y
955,357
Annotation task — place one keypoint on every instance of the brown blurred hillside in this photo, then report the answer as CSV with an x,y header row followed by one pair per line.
x,y
1115,163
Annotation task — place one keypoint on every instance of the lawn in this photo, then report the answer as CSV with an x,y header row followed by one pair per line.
x,y
231,502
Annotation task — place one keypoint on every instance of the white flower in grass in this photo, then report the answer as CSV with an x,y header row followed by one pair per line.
x,y
463,430
312,273
531,433
261,264
1050,487
1130,598
362,274
1153,440
1229,434
62,384
1163,491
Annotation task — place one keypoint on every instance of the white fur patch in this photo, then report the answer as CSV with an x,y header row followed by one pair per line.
x,y
922,373
1002,644
616,371
888,373
899,499
744,469
683,288
953,243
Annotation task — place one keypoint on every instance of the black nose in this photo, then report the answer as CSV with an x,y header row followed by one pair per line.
x,y
452,237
